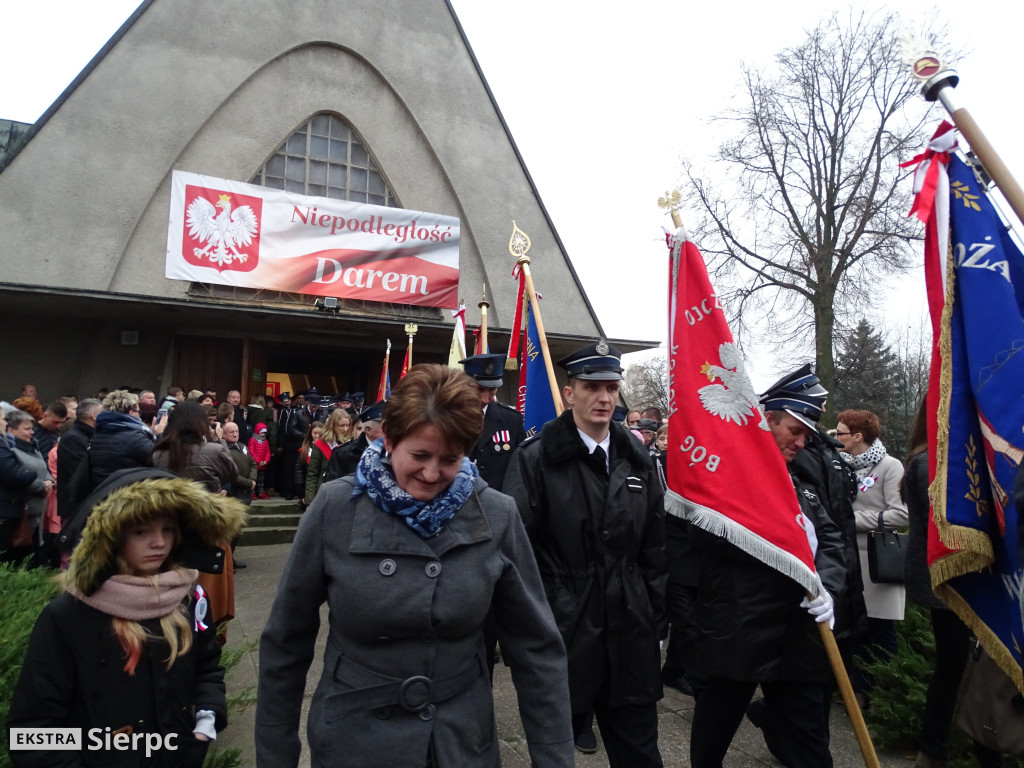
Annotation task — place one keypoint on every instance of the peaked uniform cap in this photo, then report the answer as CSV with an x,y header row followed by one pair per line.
x,y
594,362
799,394
137,496
374,412
486,369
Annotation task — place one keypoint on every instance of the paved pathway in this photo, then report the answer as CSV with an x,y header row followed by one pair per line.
x,y
256,586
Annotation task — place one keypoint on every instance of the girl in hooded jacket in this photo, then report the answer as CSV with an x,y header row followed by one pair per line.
x,y
127,653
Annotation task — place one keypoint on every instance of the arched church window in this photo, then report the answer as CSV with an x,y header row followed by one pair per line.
x,y
326,157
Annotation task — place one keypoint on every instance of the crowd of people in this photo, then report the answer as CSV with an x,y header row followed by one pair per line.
x,y
442,540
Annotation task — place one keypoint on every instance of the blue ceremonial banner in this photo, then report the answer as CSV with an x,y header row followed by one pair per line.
x,y
978,400
539,407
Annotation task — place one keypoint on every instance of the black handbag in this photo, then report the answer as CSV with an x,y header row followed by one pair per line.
x,y
887,551
990,709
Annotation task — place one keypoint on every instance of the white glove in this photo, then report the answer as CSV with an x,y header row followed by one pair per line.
x,y
822,608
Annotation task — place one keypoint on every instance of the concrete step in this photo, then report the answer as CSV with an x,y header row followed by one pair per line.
x,y
259,536
271,521
275,520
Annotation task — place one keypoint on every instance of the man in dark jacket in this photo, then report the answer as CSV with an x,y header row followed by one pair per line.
x,y
291,431
593,507
503,425
820,466
753,624
47,431
345,458
71,449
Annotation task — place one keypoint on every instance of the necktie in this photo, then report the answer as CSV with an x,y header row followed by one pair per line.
x,y
598,460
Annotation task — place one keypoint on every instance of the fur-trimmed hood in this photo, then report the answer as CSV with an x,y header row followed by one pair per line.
x,y
205,519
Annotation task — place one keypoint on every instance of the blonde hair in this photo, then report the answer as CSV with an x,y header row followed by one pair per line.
x,y
175,627
332,432
121,401
308,440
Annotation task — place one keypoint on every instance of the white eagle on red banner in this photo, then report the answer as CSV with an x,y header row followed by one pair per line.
x,y
734,398
222,234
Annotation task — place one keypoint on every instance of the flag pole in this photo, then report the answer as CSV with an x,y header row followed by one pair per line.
x,y
482,341
518,245
671,203
938,86
860,728
410,329
381,388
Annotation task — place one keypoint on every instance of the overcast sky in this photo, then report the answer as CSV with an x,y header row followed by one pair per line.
x,y
603,99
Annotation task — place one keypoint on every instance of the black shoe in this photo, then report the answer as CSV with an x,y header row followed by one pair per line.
x,y
680,683
586,742
239,565
757,713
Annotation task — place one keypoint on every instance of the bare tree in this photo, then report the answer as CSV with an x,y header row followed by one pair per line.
x,y
646,384
810,212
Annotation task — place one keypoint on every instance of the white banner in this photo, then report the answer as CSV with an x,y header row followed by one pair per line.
x,y
231,233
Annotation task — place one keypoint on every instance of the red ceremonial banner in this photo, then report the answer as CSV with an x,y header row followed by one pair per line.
x,y
726,474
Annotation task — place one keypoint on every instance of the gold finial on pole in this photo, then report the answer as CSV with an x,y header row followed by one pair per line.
x,y
672,202
938,85
410,330
483,348
518,245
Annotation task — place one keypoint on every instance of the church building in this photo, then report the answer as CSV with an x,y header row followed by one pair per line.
x,y
379,103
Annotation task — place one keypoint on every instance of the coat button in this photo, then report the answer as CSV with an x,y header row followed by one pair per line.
x,y
433,569
427,713
387,567
605,535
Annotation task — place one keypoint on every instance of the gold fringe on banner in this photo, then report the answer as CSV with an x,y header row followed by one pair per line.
x,y
974,549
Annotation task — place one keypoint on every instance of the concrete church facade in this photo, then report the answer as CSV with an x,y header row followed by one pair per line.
x,y
228,90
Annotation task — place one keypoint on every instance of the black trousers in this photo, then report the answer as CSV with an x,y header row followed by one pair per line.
x,y
286,487
796,711
630,733
952,640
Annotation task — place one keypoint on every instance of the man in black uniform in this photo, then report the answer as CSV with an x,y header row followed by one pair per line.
x,y
345,458
753,625
593,507
503,425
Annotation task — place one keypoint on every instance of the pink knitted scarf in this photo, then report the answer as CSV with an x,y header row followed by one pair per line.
x,y
140,597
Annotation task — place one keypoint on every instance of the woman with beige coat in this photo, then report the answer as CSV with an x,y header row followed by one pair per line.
x,y
878,498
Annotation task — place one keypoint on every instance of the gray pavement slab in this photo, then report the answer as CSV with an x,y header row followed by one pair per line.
x,y
256,586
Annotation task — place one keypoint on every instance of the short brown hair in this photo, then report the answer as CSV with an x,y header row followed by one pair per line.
x,y
435,395
865,422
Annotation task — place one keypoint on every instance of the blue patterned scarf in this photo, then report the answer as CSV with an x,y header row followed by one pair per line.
x,y
375,476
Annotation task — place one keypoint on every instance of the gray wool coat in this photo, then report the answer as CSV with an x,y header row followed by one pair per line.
x,y
403,607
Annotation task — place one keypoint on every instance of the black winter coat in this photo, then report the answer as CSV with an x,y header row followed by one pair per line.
x,y
820,466
749,625
73,677
502,433
298,422
915,567
15,482
600,547
345,458
119,441
70,451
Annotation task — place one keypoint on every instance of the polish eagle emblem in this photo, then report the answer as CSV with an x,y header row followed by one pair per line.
x,y
223,234
734,399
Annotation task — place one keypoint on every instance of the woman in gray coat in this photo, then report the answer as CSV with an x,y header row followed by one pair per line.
x,y
410,553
